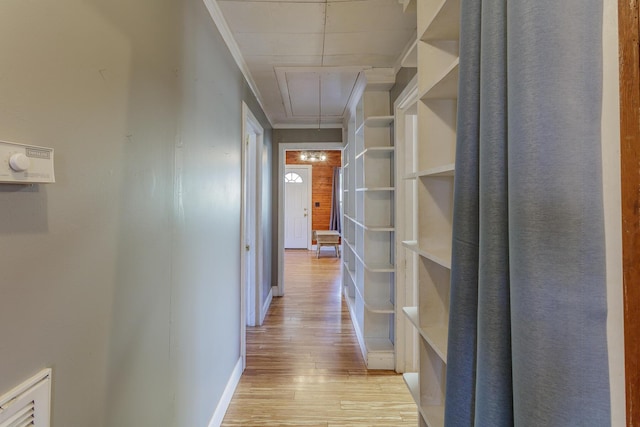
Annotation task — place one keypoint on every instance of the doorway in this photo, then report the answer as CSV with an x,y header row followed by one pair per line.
x,y
251,258
282,150
250,229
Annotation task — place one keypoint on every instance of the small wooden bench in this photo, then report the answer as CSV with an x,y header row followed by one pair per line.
x,y
327,238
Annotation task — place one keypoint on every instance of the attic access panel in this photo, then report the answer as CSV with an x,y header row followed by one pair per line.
x,y
308,92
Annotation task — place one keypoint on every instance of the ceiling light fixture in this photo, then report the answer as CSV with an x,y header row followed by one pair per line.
x,y
313,156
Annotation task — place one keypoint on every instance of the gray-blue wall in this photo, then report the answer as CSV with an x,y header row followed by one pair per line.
x,y
124,275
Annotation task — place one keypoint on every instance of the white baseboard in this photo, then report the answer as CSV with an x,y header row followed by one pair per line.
x,y
266,305
275,291
225,400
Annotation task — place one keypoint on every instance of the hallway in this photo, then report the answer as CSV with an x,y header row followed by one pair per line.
x,y
304,366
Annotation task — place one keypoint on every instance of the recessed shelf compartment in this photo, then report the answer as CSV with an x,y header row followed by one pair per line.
x,y
374,103
374,249
439,19
380,353
359,145
376,297
376,165
435,335
444,87
432,384
348,268
349,244
349,233
439,57
348,282
352,274
435,204
351,302
375,208
375,137
437,134
379,344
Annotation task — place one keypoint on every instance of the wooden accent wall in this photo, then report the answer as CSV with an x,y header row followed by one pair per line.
x,y
322,182
629,35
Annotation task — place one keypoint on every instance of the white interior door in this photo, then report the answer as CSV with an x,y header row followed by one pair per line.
x,y
297,215
250,228
253,306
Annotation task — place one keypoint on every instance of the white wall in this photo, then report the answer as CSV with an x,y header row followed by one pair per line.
x,y
613,227
124,275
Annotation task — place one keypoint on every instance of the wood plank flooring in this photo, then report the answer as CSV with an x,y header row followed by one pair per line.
x,y
304,366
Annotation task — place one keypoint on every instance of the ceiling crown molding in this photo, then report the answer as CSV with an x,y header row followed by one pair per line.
x,y
227,35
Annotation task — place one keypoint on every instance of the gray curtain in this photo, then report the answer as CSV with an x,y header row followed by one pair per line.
x,y
334,220
527,330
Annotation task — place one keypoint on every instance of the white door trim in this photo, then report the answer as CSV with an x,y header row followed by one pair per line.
x,y
282,148
309,169
251,125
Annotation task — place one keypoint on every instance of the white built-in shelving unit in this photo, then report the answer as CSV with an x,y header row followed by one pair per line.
x,y
369,233
426,167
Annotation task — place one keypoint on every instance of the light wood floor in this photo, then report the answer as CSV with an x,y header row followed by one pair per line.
x,y
304,366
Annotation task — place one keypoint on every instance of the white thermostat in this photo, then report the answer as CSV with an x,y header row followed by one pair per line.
x,y
25,164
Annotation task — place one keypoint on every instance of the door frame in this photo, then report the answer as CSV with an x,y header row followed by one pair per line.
x,y
282,149
250,124
309,183
628,33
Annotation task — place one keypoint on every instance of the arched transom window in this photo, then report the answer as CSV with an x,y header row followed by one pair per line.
x,y
292,177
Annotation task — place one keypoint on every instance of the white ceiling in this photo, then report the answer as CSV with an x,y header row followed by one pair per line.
x,y
305,55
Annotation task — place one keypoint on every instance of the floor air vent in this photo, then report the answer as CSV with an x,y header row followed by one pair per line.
x,y
28,404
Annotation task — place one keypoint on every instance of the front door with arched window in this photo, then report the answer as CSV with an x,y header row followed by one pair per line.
x,y
296,207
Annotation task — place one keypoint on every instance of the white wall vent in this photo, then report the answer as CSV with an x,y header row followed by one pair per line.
x,y
28,404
